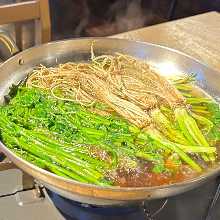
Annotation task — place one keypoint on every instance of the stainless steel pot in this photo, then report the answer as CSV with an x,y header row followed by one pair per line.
x,y
53,53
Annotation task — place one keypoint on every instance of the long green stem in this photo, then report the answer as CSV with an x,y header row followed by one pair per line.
x,y
172,146
75,167
47,165
167,128
76,151
78,167
208,125
191,131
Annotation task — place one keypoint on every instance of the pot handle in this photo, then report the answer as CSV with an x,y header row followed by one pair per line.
x,y
8,47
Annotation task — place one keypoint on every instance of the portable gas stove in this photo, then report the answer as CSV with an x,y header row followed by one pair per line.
x,y
21,198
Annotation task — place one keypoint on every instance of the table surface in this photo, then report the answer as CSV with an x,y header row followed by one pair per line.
x,y
197,36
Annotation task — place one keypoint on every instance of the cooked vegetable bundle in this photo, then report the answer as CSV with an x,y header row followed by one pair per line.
x,y
114,121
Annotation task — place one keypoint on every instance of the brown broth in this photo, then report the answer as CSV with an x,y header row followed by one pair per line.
x,y
144,178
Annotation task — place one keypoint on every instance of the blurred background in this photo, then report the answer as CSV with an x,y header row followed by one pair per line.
x,y
85,18
74,18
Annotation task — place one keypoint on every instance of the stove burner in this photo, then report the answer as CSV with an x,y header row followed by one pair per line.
x,y
73,210
150,216
214,202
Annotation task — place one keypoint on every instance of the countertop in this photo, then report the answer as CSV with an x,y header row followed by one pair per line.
x,y
197,36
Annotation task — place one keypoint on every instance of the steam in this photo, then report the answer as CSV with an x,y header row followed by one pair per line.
x,y
84,21
131,17
121,16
